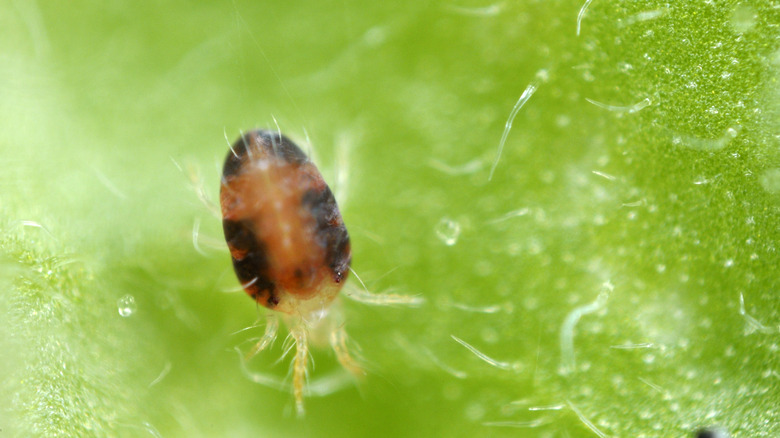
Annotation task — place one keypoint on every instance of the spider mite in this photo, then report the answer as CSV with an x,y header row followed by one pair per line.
x,y
290,248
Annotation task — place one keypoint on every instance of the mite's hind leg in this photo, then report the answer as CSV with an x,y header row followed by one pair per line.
x,y
271,329
300,364
386,299
338,341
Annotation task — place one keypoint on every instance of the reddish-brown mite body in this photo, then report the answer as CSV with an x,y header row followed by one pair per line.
x,y
289,245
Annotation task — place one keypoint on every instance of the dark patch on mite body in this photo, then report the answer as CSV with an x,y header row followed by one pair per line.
x,y
252,266
331,231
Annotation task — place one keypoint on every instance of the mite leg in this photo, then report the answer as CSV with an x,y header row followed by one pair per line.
x,y
338,340
300,364
366,297
199,187
271,328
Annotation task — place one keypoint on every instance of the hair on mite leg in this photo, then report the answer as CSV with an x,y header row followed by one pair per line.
x,y
338,341
268,338
287,345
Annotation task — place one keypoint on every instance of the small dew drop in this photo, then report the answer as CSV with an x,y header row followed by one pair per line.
x,y
448,231
126,305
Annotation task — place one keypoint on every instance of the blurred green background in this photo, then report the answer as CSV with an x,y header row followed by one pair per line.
x,y
647,160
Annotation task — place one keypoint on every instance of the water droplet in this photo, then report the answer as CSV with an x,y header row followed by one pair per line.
x,y
448,231
126,305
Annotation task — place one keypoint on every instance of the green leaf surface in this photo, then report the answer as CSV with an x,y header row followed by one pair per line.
x,y
617,275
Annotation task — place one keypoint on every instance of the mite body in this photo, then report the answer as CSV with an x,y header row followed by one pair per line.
x,y
290,248
289,245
